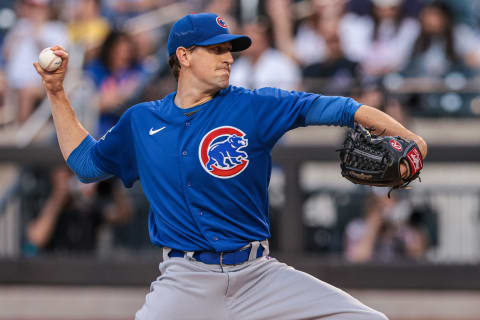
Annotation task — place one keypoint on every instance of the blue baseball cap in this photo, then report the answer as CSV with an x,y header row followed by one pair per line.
x,y
203,29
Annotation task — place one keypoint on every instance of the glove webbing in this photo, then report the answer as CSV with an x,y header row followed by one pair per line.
x,y
365,157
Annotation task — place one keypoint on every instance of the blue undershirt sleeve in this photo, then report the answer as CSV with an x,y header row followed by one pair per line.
x,y
326,110
81,162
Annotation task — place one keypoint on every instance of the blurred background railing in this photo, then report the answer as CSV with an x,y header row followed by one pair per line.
x,y
416,60
309,200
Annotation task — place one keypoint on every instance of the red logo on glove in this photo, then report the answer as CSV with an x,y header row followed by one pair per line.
x,y
415,160
396,145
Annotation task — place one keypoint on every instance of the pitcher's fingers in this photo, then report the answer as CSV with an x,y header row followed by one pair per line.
x,y
61,53
64,55
39,69
57,47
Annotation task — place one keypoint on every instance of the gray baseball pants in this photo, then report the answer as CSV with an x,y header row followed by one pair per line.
x,y
259,289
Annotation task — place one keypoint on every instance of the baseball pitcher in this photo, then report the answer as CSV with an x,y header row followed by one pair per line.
x,y
203,157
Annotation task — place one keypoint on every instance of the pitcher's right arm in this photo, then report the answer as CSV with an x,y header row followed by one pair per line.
x,y
75,142
70,132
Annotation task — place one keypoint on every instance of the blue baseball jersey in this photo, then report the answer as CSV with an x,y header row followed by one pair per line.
x,y
205,171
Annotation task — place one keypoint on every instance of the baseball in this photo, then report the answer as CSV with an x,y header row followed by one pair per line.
x,y
48,60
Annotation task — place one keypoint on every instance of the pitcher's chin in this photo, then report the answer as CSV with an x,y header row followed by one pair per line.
x,y
223,83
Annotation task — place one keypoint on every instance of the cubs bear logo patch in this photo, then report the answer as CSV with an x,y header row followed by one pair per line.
x,y
221,152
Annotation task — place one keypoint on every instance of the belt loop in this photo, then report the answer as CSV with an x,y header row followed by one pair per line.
x,y
189,254
253,250
265,246
166,251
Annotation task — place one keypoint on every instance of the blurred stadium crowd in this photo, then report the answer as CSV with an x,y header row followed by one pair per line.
x,y
411,58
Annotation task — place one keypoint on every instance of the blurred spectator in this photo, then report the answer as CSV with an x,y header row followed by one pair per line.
x,y
117,74
465,11
337,74
372,92
7,20
2,95
147,45
310,46
70,219
442,46
263,66
389,230
133,237
87,28
364,7
280,15
118,11
226,10
162,84
35,30
381,41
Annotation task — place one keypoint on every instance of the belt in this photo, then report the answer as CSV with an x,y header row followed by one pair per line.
x,y
223,258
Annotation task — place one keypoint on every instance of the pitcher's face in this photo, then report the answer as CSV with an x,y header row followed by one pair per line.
x,y
211,64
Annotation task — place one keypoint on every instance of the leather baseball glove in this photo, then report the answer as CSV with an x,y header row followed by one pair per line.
x,y
375,160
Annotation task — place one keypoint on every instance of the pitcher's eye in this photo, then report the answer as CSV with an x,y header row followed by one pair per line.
x,y
220,49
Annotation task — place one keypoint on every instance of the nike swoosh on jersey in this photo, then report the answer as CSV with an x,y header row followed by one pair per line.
x,y
152,132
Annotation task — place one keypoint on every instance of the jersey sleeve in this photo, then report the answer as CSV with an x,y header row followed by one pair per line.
x,y
276,111
114,153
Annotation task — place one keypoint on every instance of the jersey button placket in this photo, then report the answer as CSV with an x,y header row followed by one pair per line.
x,y
184,152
